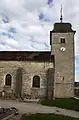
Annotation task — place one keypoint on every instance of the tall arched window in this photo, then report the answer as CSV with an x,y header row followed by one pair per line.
x,y
36,81
8,80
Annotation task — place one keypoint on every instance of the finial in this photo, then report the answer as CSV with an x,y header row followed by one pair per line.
x,y
61,18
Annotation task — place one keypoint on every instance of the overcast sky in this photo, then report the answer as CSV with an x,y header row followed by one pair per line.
x,y
26,24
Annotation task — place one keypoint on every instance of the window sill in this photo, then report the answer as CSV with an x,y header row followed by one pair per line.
x,y
7,86
35,88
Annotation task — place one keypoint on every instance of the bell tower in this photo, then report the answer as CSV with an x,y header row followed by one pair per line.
x,y
62,47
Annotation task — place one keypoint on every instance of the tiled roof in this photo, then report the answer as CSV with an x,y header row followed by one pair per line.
x,y
26,55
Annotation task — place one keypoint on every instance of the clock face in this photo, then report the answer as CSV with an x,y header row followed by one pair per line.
x,y
63,49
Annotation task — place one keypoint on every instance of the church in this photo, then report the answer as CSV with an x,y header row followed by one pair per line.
x,y
40,75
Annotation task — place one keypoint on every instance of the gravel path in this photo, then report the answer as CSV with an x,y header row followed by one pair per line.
x,y
37,108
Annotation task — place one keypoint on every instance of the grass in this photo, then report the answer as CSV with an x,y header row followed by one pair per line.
x,y
46,117
66,103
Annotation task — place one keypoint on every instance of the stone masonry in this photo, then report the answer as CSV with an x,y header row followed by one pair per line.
x,y
64,64
29,69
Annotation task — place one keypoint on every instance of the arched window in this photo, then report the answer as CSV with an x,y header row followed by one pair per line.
x,y
8,80
36,81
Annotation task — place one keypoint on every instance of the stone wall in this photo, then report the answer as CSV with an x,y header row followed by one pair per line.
x,y
29,69
64,64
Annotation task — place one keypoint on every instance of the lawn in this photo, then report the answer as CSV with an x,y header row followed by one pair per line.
x,y
47,117
62,103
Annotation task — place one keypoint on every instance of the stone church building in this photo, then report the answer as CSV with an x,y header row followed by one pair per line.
x,y
44,74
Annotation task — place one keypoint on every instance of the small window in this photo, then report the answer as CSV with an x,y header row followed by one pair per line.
x,y
8,80
36,81
62,40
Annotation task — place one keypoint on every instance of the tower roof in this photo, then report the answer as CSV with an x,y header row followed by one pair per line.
x,y
62,28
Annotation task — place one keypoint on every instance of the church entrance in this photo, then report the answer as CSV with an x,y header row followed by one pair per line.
x,y
19,83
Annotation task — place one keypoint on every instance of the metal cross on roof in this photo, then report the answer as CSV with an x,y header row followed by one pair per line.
x,y
61,18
